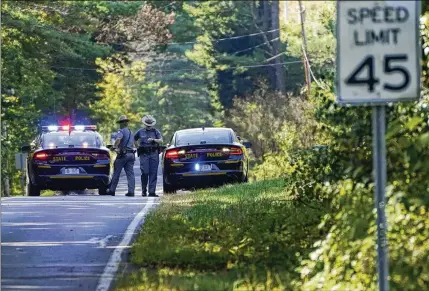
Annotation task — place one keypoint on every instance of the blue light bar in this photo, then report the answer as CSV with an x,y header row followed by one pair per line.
x,y
67,127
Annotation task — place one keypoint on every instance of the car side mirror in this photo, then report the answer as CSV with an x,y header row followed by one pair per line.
x,y
247,144
239,138
25,148
109,146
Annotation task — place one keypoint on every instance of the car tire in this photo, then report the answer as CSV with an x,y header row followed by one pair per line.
x,y
246,179
169,189
102,190
32,190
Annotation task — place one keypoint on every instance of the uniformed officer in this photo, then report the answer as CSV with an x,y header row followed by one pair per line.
x,y
125,157
148,140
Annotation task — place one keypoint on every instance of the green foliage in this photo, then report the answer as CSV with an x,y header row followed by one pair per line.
x,y
225,60
341,176
273,121
177,99
38,39
48,62
346,258
231,228
319,27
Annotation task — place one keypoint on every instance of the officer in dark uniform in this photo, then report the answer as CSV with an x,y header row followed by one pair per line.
x,y
148,140
125,157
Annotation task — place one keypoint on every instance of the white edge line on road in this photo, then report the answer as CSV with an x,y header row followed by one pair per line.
x,y
115,259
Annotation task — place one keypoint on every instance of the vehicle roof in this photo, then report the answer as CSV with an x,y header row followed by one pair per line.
x,y
206,129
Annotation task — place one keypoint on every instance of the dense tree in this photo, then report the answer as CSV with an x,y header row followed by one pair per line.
x,y
49,72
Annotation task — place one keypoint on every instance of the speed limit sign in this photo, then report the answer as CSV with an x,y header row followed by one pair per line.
x,y
378,51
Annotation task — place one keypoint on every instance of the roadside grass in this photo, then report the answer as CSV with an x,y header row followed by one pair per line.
x,y
48,193
238,237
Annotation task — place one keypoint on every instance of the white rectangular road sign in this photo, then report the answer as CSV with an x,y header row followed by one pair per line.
x,y
20,161
378,51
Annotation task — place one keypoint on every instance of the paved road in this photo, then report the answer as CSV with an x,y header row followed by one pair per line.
x,y
69,242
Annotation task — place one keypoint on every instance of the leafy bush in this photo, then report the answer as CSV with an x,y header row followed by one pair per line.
x,y
346,258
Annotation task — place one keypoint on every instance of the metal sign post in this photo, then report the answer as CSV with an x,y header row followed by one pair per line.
x,y
20,160
378,62
379,162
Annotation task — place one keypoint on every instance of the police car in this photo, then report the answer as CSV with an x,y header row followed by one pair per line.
x,y
67,158
204,157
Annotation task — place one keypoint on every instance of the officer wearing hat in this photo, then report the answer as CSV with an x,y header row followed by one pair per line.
x,y
125,157
148,140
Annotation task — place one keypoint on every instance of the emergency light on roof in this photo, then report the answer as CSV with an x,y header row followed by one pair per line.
x,y
68,127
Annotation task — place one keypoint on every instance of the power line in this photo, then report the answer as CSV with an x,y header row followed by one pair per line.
x,y
179,43
185,70
226,38
259,45
213,40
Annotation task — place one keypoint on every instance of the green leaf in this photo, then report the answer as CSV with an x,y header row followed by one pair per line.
x,y
413,122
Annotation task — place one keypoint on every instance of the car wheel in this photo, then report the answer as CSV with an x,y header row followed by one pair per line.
x,y
169,189
246,179
32,190
102,190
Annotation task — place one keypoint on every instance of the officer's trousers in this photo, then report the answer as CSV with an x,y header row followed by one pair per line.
x,y
126,163
149,168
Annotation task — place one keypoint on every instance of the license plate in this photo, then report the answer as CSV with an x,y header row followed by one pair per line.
x,y
71,171
206,168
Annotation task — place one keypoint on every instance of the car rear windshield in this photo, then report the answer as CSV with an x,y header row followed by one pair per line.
x,y
208,137
75,139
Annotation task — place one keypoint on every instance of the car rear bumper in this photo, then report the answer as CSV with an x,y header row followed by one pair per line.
x,y
72,182
200,179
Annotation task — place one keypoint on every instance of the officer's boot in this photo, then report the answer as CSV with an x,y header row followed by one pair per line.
x,y
144,180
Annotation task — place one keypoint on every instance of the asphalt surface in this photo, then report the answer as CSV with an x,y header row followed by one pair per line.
x,y
65,242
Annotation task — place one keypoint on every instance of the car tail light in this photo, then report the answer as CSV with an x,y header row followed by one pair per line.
x,y
172,154
41,156
235,152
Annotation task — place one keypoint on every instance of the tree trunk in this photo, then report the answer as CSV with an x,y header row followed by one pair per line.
x,y
279,70
266,15
304,48
6,185
5,177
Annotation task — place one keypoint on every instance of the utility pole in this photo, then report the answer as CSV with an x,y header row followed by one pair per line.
x,y
280,74
304,48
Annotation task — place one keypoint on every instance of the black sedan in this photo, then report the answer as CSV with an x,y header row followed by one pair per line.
x,y
201,157
67,158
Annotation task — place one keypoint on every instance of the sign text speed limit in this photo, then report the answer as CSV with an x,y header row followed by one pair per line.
x,y
378,57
